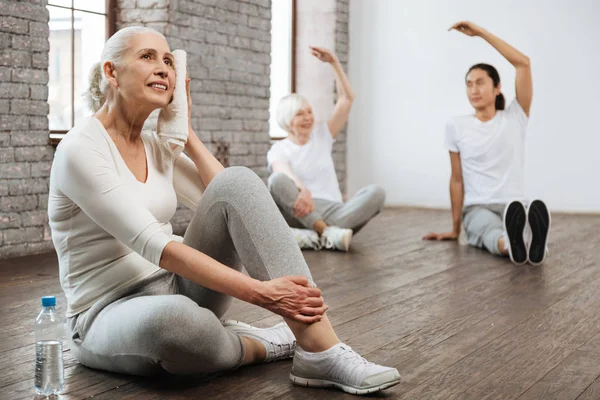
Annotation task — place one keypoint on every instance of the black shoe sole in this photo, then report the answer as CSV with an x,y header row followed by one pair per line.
x,y
515,220
539,222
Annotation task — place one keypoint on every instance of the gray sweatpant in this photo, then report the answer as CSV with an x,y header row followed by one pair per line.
x,y
484,226
353,214
168,323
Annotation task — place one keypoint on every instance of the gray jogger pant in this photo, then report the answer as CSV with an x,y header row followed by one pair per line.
x,y
484,226
353,214
168,323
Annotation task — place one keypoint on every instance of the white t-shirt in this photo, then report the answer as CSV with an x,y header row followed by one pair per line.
x,y
108,228
492,155
311,163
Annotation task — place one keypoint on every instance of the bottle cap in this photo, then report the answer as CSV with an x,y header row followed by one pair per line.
x,y
48,301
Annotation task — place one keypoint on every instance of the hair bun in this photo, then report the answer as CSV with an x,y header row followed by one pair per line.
x,y
95,94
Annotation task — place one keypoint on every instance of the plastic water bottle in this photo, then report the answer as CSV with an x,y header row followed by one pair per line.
x,y
49,329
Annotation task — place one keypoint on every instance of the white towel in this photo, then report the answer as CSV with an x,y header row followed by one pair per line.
x,y
172,125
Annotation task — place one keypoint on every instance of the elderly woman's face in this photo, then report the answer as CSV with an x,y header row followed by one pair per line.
x,y
302,124
146,78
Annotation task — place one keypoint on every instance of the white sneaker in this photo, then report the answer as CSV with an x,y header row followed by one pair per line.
x,y
343,368
279,341
335,238
307,239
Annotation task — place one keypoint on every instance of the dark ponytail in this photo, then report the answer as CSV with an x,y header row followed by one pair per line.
x,y
492,73
500,102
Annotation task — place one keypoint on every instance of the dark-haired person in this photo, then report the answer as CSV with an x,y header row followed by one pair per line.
x,y
487,152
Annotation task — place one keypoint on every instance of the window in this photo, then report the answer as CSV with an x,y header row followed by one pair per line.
x,y
78,30
282,59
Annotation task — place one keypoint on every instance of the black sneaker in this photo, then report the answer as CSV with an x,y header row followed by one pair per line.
x,y
515,220
538,217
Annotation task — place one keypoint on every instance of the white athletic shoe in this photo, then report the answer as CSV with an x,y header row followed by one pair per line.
x,y
343,368
307,239
335,238
279,341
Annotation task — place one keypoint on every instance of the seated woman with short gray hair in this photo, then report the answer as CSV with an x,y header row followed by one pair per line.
x,y
304,182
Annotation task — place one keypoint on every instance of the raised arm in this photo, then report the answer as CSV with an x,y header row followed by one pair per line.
x,y
523,81
457,195
339,117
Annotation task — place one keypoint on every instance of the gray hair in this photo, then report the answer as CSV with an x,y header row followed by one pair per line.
x,y
287,109
114,51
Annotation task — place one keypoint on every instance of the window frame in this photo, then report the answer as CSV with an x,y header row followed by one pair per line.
x,y
292,61
56,136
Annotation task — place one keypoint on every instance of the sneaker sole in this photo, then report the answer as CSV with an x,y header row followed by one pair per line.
x,y
539,220
515,220
322,383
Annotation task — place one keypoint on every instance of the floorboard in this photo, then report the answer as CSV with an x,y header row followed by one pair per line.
x,y
457,322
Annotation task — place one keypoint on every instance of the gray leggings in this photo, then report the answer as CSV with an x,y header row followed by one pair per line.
x,y
168,323
484,226
354,214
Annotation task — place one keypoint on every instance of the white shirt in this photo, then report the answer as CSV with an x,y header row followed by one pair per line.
x,y
312,163
108,228
492,155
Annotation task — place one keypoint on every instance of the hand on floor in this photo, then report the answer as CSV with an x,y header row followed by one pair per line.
x,y
441,236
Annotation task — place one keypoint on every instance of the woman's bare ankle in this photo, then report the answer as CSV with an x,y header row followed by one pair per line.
x,y
255,351
320,226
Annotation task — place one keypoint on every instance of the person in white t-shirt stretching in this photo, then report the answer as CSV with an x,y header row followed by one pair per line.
x,y
487,152
304,183
143,301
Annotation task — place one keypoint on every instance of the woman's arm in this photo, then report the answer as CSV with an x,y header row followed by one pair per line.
x,y
284,168
290,296
523,81
84,172
339,117
208,166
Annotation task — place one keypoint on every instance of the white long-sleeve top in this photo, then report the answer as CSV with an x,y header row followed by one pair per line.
x,y
108,228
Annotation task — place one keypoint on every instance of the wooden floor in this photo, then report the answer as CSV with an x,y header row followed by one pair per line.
x,y
457,322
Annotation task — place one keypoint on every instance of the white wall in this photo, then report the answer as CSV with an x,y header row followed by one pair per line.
x,y
408,73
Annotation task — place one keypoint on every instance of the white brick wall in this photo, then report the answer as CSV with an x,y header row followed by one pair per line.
x,y
228,47
25,155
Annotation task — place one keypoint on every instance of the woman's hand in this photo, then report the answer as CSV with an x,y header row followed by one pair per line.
x,y
291,297
323,54
468,28
304,204
441,236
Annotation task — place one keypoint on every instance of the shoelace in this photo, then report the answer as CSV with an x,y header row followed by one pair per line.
x,y
282,351
331,237
350,354
340,369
